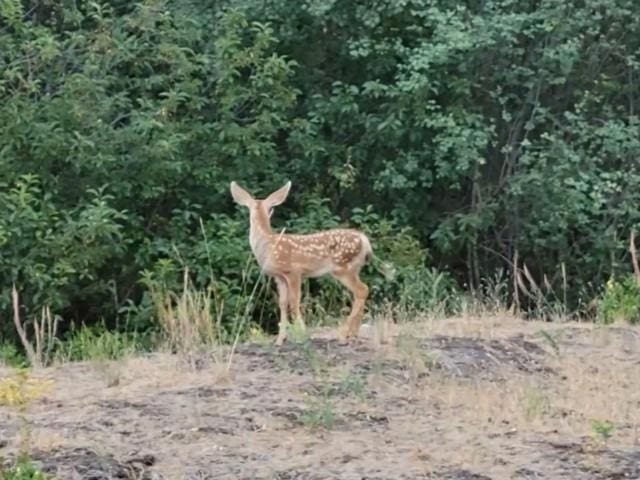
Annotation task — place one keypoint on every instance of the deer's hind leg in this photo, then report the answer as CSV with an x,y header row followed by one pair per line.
x,y
360,291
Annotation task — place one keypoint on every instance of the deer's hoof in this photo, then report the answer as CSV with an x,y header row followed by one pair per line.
x,y
344,337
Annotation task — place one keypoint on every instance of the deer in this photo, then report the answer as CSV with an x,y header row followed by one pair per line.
x,y
290,258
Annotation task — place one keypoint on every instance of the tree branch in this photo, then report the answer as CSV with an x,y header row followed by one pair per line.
x,y
634,256
20,328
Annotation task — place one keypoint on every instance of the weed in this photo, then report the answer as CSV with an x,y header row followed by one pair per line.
x,y
18,392
602,429
429,291
320,412
296,333
551,338
534,403
192,320
493,293
255,334
317,363
352,384
416,360
23,469
98,343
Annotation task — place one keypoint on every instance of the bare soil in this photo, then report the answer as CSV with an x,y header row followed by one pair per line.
x,y
459,399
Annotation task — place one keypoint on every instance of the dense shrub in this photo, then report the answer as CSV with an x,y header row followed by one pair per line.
x,y
620,301
460,135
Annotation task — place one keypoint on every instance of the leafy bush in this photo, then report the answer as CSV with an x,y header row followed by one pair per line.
x,y
11,356
54,255
23,469
227,278
413,284
456,135
620,301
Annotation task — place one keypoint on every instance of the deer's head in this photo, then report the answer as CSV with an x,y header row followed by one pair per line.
x,y
260,210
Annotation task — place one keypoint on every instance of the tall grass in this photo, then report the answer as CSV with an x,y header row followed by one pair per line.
x,y
99,343
190,319
197,321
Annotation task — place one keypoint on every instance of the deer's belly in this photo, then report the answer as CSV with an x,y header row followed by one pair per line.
x,y
312,268
318,272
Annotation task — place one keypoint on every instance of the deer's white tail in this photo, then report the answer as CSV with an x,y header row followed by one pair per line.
x,y
367,249
385,268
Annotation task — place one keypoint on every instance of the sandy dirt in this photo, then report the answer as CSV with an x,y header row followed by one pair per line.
x,y
459,399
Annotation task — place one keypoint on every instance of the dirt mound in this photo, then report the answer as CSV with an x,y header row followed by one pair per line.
x,y
458,474
466,357
87,464
459,356
584,460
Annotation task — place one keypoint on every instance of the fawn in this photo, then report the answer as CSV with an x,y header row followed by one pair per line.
x,y
289,258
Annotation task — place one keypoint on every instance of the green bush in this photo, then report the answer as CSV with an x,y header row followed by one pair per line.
x,y
53,254
456,134
620,301
23,469
11,356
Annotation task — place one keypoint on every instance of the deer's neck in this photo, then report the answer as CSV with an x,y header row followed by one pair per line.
x,y
259,235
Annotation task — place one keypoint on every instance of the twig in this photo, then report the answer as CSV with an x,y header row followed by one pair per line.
x,y
516,278
45,331
564,285
21,331
634,256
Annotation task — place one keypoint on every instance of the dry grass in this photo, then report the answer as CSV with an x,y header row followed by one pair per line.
x,y
186,317
191,321
405,401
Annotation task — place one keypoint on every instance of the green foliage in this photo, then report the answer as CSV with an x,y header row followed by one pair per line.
x,y
11,356
353,384
54,254
227,276
320,413
98,343
18,392
602,429
23,469
535,403
317,362
620,301
455,134
414,285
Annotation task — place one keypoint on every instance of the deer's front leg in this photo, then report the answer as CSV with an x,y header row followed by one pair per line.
x,y
294,282
283,303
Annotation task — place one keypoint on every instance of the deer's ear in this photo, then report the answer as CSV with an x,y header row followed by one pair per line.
x,y
279,196
240,195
